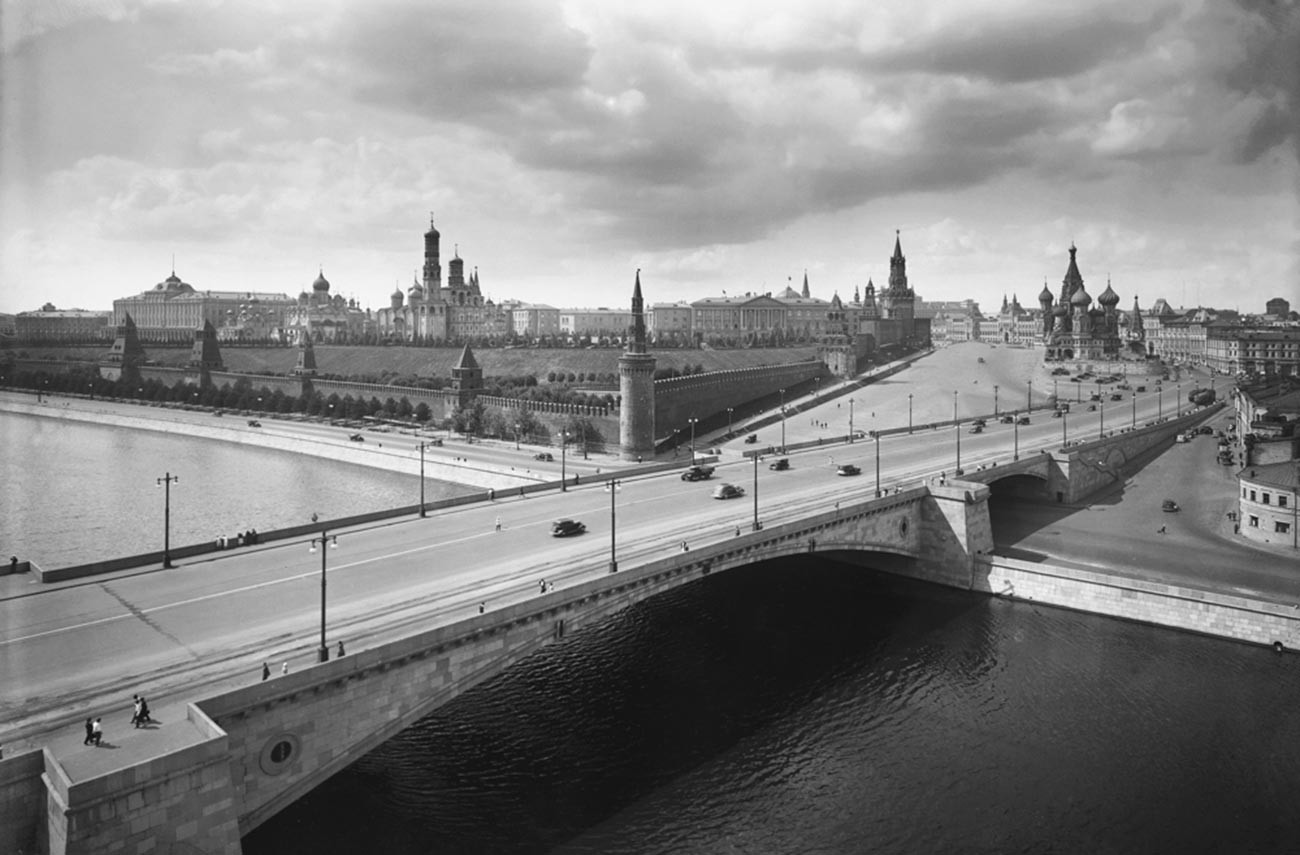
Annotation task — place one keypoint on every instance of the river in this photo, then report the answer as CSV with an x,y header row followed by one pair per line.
x,y
805,706
75,492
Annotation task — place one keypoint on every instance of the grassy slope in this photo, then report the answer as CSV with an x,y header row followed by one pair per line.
x,y
437,362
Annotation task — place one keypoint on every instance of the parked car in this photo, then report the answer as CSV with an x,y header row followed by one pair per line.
x,y
697,473
848,469
254,423
728,491
751,439
1141,389
1023,420
1008,420
544,455
1169,506
567,528
1117,397
1207,429
779,465
356,437
977,429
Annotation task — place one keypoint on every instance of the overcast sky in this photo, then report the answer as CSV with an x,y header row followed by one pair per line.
x,y
717,146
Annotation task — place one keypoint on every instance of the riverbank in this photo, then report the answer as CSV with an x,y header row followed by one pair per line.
x,y
293,437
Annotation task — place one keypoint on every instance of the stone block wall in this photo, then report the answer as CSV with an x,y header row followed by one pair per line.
x,y
955,516
22,803
1177,607
180,799
703,395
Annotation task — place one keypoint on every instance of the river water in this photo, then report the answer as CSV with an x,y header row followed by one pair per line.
x,y
75,492
809,707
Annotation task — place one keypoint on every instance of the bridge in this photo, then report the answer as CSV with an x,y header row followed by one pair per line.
x,y
241,753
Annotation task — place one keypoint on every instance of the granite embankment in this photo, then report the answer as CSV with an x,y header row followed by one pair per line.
x,y
281,436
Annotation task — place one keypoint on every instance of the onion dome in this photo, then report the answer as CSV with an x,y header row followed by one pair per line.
x,y
303,297
1108,298
1061,310
321,283
1081,298
1045,296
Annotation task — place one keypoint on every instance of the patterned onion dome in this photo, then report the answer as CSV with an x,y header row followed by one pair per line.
x,y
1108,297
1081,298
321,283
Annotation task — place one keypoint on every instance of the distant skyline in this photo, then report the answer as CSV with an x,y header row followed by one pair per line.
x,y
718,147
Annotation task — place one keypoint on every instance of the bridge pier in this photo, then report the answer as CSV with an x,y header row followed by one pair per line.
x,y
955,517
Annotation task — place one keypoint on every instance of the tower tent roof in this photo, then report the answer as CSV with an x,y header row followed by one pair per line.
x,y
467,360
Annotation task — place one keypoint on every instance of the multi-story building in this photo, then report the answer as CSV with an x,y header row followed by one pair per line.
x,y
534,320
1230,349
49,325
595,323
1267,503
669,324
172,310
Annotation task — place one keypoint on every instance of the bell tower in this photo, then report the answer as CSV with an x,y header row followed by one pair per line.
x,y
636,386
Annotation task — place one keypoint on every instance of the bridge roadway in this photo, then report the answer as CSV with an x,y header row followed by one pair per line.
x,y
79,649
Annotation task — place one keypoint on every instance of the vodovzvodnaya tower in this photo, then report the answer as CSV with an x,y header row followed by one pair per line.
x,y
636,386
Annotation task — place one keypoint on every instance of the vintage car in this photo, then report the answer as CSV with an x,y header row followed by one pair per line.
x,y
1169,506
848,469
254,423
728,491
1023,420
1006,420
567,528
779,465
356,437
977,428
751,439
544,455
698,473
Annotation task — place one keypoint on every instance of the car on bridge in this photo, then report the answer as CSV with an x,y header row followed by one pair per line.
x,y
567,528
1092,408
780,465
980,422
544,456
1056,414
977,428
728,491
1007,420
254,423
356,437
751,439
698,473
848,469
1117,397
1169,506
1023,420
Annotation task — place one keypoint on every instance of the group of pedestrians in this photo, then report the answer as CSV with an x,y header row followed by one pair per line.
x,y
244,538
140,716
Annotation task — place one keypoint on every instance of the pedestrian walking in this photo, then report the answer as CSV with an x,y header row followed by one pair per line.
x,y
498,523
542,586
284,669
135,714
1160,530
482,607
266,671
144,711
341,654
90,732
96,732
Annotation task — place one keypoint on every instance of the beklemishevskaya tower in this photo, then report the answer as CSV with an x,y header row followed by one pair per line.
x,y
636,386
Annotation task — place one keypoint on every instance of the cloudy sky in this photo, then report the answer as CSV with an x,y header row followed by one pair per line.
x,y
717,146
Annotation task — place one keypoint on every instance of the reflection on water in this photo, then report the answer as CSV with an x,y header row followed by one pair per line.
x,y
76,492
804,706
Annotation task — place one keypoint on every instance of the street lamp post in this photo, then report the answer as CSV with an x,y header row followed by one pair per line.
x,y
875,437
692,422
612,487
1178,401
1065,415
995,401
1015,435
757,525
422,446
850,420
956,429
517,436
1135,410
1160,403
582,432
782,420
1029,397
1101,419
564,476
166,483
730,410
326,542
909,413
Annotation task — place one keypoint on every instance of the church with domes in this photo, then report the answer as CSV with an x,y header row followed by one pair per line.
x,y
1073,328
